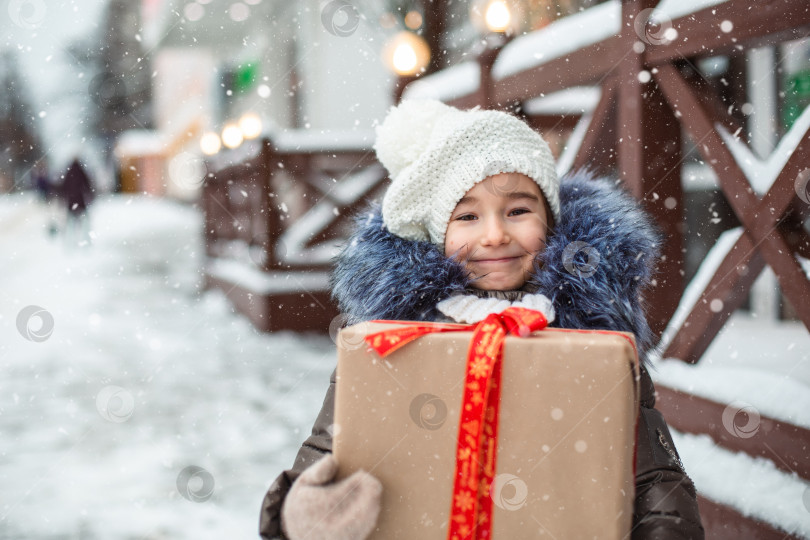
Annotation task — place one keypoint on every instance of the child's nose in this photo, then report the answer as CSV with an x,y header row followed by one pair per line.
x,y
495,233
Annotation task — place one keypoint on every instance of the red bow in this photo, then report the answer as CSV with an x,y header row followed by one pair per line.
x,y
471,508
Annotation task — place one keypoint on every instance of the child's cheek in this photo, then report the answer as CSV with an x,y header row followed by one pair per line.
x,y
450,247
450,242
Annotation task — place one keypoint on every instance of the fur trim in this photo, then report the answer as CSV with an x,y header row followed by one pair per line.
x,y
608,226
381,276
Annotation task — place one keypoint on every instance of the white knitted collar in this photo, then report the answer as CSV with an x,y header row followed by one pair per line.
x,y
471,308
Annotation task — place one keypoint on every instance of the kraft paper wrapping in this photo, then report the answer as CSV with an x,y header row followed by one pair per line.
x,y
569,406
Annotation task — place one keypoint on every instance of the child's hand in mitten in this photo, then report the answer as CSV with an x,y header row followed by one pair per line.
x,y
318,509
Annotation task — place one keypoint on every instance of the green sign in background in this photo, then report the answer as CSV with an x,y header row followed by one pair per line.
x,y
797,96
245,76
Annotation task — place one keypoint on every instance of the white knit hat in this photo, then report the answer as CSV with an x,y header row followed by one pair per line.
x,y
435,153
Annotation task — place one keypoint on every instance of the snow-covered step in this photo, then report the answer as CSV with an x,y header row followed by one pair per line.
x,y
753,487
739,426
766,363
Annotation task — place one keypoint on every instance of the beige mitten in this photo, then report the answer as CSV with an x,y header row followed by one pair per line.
x,y
318,509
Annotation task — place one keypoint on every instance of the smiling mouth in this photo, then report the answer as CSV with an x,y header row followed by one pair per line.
x,y
495,261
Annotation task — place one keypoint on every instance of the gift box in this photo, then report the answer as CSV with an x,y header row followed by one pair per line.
x,y
546,431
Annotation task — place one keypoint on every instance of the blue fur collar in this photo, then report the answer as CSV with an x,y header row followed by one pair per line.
x,y
598,286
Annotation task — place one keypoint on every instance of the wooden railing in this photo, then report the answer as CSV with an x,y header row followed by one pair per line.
x,y
276,210
651,92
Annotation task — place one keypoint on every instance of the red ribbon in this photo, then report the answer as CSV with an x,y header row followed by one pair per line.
x,y
471,508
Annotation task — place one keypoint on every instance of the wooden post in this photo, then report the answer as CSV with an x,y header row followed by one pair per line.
x,y
434,26
598,149
272,220
649,157
400,84
486,59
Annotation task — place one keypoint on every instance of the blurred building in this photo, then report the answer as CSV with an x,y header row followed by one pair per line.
x,y
20,143
223,72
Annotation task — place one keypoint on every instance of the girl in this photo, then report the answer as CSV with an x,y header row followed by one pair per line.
x,y
474,221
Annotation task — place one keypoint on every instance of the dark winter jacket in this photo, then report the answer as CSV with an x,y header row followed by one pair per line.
x,y
76,190
599,286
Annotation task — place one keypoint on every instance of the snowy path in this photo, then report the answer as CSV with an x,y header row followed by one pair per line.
x,y
196,385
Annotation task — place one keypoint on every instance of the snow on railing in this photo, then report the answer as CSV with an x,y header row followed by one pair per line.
x,y
448,84
562,37
559,38
323,140
694,290
761,174
264,282
576,100
293,241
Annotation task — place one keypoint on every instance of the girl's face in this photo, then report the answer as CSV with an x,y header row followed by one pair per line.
x,y
496,230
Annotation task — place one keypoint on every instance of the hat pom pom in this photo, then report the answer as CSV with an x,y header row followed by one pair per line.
x,y
405,133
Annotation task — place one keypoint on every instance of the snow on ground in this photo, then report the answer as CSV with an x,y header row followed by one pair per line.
x,y
142,376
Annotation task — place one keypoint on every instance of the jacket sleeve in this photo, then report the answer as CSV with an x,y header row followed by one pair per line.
x,y
665,506
318,444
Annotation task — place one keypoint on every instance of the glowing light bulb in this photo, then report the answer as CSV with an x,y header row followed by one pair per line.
x,y
498,16
232,136
210,143
251,125
406,54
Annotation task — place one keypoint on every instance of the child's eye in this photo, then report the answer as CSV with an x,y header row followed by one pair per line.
x,y
519,211
465,217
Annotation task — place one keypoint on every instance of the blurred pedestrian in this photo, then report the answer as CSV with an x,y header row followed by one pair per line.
x,y
42,181
77,194
47,192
